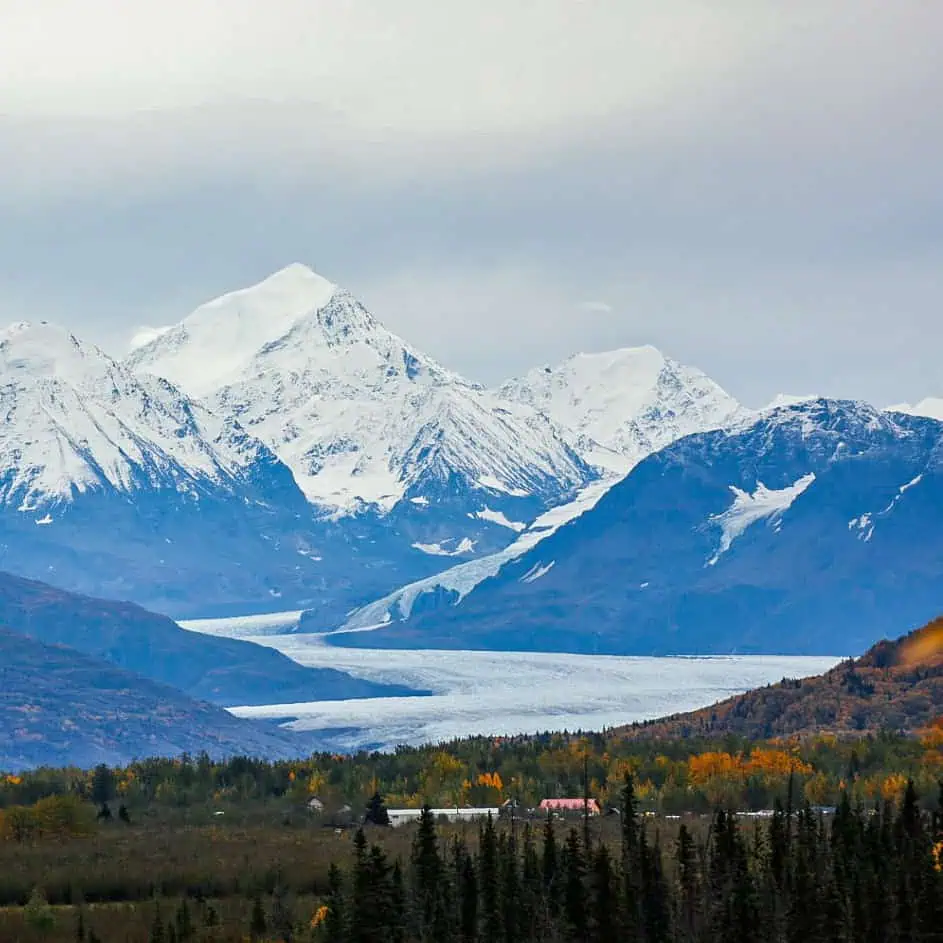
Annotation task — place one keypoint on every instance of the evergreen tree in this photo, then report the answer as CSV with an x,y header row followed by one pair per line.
x,y
283,917
604,901
376,811
398,906
335,921
157,926
468,897
550,862
258,925
489,882
184,922
511,893
574,888
688,890
428,875
631,861
103,785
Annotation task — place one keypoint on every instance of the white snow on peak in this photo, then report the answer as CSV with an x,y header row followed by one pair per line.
x,y
788,399
72,419
622,405
220,338
357,414
931,407
749,508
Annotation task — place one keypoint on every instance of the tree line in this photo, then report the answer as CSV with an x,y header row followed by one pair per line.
x,y
695,775
861,875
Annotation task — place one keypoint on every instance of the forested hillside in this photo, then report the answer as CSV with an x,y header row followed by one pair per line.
x,y
896,685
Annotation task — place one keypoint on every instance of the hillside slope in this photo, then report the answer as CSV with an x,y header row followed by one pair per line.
x,y
61,708
224,671
895,686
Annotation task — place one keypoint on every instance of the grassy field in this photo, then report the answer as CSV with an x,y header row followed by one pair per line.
x,y
119,876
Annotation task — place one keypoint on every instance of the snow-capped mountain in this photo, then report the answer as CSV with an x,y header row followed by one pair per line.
x,y
119,485
614,408
76,421
367,423
622,405
931,407
814,528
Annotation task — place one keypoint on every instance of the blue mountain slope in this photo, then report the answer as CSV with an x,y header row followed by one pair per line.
x,y
816,529
59,707
221,670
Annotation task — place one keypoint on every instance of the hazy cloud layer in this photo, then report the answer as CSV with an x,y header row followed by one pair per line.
x,y
755,187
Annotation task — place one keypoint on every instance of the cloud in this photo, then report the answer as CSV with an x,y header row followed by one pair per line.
x,y
754,187
595,307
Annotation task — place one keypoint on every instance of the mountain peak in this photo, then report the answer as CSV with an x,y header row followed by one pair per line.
x,y
33,350
297,276
219,339
622,404
931,408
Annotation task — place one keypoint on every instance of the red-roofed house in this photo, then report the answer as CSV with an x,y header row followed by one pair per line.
x,y
569,805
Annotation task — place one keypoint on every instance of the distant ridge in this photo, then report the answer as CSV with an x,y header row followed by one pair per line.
x,y
59,707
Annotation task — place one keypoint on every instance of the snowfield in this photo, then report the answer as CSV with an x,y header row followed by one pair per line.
x,y
501,693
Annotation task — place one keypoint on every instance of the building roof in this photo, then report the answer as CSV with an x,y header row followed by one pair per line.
x,y
569,805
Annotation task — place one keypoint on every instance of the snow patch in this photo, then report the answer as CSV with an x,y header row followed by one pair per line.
x,y
749,508
537,571
497,517
462,579
465,546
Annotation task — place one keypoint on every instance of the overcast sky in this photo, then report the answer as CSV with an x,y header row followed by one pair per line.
x,y
755,187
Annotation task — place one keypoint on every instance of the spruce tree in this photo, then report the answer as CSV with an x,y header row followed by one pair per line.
x,y
688,890
258,925
428,875
398,906
603,902
335,927
574,888
488,880
512,912
468,897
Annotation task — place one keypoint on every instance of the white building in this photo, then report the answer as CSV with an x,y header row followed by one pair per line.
x,y
403,816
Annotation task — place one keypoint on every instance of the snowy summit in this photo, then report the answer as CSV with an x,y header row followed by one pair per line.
x,y
359,416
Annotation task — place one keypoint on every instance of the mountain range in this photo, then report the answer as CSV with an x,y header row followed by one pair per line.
x,y
59,707
811,529
279,448
227,672
85,681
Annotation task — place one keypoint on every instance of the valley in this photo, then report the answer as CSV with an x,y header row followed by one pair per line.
x,y
500,693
